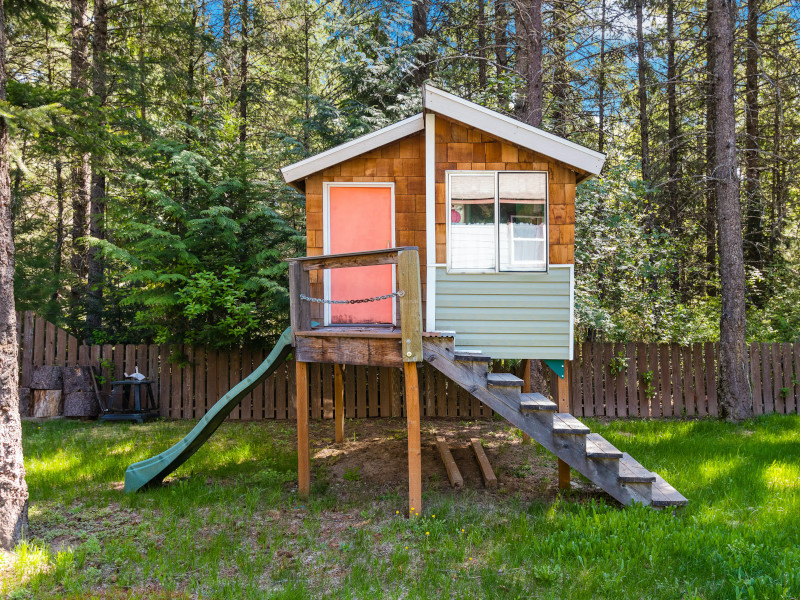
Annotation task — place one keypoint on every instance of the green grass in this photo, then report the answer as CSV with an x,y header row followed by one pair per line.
x,y
230,524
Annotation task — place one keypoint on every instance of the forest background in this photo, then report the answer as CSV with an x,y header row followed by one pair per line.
x,y
147,137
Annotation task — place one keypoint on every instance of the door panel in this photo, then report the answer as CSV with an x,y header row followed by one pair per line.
x,y
360,218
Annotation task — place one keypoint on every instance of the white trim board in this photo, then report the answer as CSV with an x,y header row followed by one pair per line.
x,y
353,148
514,131
326,239
430,221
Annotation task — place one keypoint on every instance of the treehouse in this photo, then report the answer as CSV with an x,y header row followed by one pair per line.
x,y
448,238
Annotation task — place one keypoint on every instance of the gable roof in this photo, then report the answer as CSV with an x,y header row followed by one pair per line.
x,y
469,113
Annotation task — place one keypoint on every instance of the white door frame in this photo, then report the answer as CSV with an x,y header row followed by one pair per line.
x,y
326,236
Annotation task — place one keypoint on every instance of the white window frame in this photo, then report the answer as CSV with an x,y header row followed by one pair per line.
x,y
326,237
497,269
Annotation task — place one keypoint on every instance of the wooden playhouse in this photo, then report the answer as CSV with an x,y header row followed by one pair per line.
x,y
448,237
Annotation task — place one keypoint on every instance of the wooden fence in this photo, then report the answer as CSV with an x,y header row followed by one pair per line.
x,y
608,380
668,380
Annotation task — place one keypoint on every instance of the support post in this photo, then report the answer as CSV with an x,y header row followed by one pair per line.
x,y
414,447
563,407
303,465
338,403
526,389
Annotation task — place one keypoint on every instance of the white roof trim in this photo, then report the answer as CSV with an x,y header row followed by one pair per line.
x,y
353,148
514,131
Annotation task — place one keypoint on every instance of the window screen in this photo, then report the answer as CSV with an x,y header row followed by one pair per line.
x,y
522,223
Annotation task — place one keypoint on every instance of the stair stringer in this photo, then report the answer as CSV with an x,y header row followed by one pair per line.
x,y
604,473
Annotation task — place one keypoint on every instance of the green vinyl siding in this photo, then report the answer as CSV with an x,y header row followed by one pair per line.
x,y
507,315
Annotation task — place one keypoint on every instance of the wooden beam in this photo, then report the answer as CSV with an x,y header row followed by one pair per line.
x,y
386,256
414,447
489,478
526,389
563,402
378,352
303,464
453,474
338,403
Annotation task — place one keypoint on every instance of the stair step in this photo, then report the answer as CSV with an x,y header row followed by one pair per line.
x,y
503,380
537,402
631,471
463,355
566,424
598,447
666,495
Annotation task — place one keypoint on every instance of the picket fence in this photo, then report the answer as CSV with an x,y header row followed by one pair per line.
x,y
607,380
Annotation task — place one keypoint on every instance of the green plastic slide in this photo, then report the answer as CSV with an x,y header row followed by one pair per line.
x,y
153,470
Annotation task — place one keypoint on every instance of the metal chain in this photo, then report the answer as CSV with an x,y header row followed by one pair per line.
x,y
398,294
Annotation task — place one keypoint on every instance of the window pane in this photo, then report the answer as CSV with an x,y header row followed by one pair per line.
x,y
522,221
472,222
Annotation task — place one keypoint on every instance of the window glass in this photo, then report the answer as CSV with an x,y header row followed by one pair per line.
x,y
472,222
522,221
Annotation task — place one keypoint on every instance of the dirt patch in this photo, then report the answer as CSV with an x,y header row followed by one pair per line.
x,y
373,459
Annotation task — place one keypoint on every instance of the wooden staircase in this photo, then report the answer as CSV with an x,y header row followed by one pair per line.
x,y
562,434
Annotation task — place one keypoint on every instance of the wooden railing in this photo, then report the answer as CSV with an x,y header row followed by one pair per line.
x,y
408,282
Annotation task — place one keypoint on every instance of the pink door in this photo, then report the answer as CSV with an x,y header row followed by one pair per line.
x,y
360,218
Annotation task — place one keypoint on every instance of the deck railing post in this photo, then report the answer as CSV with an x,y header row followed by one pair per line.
x,y
410,305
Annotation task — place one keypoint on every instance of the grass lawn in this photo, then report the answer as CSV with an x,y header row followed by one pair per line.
x,y
230,525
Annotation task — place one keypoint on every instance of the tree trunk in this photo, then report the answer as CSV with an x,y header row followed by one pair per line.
x,y
81,173
641,69
419,28
94,305
13,489
754,226
226,44
482,45
673,136
501,48
142,78
710,187
601,83
735,385
243,74
535,91
560,73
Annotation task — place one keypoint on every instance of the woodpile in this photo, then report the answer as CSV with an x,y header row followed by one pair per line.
x,y
56,391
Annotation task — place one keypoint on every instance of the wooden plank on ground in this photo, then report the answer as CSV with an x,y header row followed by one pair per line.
x,y
688,382
489,478
587,402
453,474
787,391
699,384
755,378
385,376
711,380
666,381
27,350
766,378
49,343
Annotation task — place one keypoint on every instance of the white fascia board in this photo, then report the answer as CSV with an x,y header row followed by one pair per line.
x,y
353,148
512,130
